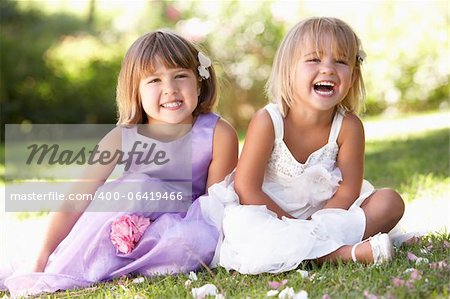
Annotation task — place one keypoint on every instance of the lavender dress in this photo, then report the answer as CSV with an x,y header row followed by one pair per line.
x,y
175,242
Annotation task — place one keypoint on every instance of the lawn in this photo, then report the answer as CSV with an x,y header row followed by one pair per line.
x,y
416,164
426,277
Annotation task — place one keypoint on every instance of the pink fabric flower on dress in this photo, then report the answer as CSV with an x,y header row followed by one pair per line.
x,y
127,231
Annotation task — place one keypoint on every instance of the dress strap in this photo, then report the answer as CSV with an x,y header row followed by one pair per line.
x,y
202,151
129,133
277,120
208,120
336,125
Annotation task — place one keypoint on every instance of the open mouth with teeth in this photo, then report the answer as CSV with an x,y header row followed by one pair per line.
x,y
325,88
172,105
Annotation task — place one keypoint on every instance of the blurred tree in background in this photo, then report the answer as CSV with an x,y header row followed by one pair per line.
x,y
59,61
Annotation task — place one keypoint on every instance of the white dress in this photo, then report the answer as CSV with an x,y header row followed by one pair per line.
x,y
255,240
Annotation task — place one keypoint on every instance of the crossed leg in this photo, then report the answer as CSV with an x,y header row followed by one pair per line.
x,y
383,210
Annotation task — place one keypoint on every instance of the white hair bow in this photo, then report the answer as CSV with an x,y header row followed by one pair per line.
x,y
205,63
361,56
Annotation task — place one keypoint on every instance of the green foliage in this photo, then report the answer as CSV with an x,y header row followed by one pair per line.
x,y
60,65
33,89
407,65
245,52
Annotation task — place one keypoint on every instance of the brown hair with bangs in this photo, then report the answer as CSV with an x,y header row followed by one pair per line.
x,y
173,51
345,43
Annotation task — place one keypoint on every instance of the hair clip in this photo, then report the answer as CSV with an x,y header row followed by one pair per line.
x,y
361,56
205,63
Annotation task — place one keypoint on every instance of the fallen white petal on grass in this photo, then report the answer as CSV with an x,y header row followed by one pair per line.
x,y
303,273
287,293
301,295
203,291
422,260
139,280
322,277
193,276
272,293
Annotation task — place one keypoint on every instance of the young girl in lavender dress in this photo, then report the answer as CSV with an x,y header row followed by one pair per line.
x,y
164,80
299,180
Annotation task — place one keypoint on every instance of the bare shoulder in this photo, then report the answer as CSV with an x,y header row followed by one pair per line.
x,y
225,142
224,130
113,139
225,139
261,122
352,127
260,137
262,118
352,120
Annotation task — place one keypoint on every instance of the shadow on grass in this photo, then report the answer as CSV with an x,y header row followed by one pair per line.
x,y
400,163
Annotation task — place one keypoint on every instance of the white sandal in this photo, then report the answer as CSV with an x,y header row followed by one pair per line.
x,y
382,249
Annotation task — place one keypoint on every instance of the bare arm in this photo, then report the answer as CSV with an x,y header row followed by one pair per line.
x,y
350,161
225,152
253,161
61,223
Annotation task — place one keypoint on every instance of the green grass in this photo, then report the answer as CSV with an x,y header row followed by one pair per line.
x,y
338,281
413,165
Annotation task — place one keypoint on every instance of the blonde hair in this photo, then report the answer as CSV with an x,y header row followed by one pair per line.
x,y
280,86
173,51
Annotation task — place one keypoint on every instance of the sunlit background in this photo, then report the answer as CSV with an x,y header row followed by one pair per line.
x,y
60,59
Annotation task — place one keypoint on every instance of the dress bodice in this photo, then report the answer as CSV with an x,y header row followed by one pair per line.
x,y
190,155
301,188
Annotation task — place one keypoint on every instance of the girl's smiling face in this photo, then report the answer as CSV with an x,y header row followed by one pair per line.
x,y
323,76
169,95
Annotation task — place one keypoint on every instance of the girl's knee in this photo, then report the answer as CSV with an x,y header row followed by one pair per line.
x,y
393,202
383,210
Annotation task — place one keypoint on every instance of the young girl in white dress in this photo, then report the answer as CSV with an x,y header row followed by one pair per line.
x,y
298,191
